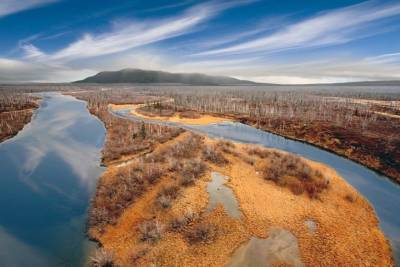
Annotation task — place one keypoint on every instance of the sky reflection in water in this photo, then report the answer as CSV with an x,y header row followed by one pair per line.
x,y
48,172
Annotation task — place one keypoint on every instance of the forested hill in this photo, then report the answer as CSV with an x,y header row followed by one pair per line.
x,y
150,76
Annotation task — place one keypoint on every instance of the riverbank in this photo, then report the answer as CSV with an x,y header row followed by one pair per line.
x,y
193,118
336,141
15,114
183,232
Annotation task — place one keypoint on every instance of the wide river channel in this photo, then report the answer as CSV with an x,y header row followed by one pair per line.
x,y
50,169
48,173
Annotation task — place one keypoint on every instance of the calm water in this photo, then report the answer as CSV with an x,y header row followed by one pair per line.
x,y
48,173
383,194
219,193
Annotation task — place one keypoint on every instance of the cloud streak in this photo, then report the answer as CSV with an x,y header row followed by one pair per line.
x,y
8,7
329,28
129,35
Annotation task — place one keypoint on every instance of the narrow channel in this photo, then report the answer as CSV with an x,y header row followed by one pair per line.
x,y
381,192
48,174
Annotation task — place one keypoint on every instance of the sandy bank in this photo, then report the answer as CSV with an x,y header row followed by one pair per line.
x,y
202,120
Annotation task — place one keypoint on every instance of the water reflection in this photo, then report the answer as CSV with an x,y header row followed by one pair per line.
x,y
219,193
48,172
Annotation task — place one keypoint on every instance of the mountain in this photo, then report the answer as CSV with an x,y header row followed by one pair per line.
x,y
150,76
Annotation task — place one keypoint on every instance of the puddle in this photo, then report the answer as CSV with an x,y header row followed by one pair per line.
x,y
218,193
311,225
280,247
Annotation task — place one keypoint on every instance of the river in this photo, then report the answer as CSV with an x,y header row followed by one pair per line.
x,y
48,173
50,169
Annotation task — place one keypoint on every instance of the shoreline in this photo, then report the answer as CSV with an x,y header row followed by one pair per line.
x,y
355,160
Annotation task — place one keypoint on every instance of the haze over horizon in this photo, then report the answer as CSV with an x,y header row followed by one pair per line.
x,y
288,42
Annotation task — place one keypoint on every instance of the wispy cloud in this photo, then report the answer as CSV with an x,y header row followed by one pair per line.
x,y
385,58
128,35
329,28
8,7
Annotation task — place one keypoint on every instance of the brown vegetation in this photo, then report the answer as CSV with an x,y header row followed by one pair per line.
x,y
291,171
16,110
201,233
124,137
150,231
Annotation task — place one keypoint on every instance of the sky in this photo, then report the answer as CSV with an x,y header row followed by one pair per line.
x,y
286,41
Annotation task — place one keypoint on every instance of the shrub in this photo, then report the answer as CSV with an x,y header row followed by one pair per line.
x,y
189,170
248,160
201,233
214,156
102,258
139,254
226,146
166,196
180,222
293,172
256,151
150,231
186,148
187,181
350,198
152,173
164,201
193,167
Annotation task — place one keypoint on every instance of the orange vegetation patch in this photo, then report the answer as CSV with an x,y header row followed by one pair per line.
x,y
176,118
186,234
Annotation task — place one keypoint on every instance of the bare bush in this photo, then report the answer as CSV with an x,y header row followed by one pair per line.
x,y
201,233
152,173
211,154
293,172
187,147
150,231
136,256
102,258
177,224
350,198
166,196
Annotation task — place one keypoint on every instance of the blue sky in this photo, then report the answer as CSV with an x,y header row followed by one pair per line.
x,y
269,41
